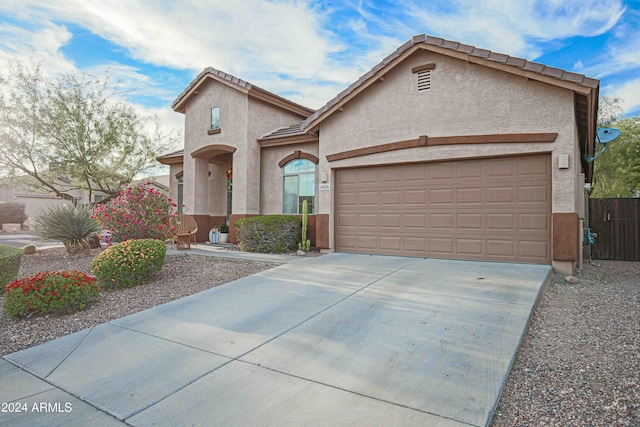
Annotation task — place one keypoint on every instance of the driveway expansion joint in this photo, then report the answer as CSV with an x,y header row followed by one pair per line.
x,y
354,392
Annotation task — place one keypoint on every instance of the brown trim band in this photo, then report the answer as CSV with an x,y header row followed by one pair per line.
x,y
423,68
214,131
180,174
423,140
298,155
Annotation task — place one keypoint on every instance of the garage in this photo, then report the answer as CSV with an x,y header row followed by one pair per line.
x,y
496,209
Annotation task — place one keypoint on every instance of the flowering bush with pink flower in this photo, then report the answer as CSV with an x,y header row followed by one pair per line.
x,y
139,212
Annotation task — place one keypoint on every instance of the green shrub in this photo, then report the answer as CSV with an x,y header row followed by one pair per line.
x,y
50,292
72,225
129,263
268,233
10,258
12,213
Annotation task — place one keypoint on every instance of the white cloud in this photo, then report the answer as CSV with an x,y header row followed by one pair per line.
x,y
516,27
39,45
302,48
629,93
243,37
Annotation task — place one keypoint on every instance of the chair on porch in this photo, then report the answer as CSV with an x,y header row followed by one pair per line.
x,y
186,230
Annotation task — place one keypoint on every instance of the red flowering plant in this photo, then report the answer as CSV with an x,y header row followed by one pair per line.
x,y
50,292
139,212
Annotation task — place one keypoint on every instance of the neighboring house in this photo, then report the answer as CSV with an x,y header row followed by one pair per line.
x,y
36,198
442,150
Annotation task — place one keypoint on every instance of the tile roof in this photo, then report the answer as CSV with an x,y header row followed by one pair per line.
x,y
236,81
210,70
295,129
448,45
170,158
177,153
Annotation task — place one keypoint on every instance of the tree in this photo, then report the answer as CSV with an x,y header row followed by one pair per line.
x,y
609,110
617,170
73,132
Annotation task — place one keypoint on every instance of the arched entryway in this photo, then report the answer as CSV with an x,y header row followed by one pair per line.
x,y
211,198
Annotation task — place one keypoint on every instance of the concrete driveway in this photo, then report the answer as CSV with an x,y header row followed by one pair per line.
x,y
337,340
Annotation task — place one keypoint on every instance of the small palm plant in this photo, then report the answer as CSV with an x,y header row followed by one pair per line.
x,y
72,225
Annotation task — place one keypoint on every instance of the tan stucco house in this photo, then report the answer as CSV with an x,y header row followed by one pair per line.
x,y
441,150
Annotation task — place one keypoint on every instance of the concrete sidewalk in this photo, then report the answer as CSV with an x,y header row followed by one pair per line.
x,y
337,340
221,251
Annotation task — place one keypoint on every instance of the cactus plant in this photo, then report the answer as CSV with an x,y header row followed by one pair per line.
x,y
305,244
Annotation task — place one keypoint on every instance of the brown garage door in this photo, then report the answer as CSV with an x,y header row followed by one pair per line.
x,y
489,209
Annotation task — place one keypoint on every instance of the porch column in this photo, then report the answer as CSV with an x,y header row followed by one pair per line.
x,y
246,186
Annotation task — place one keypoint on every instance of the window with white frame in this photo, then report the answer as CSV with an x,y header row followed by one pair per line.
x,y
299,184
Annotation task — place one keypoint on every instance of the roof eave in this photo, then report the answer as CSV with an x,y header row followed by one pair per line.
x,y
171,159
179,104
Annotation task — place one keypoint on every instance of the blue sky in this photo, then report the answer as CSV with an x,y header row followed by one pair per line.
x,y
306,50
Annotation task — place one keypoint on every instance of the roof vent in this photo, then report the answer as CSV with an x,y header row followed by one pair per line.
x,y
424,76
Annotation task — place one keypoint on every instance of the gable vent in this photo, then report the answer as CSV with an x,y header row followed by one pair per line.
x,y
424,80
424,76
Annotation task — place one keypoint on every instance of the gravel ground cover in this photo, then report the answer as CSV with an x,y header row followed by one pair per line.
x,y
180,276
579,364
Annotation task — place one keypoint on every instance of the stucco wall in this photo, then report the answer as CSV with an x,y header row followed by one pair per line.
x,y
233,119
263,119
271,175
242,120
464,99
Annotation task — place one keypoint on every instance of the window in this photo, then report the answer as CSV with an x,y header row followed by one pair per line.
x,y
299,184
215,118
98,198
180,194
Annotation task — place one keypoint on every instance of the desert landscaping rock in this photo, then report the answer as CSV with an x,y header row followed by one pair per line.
x,y
572,279
579,363
179,277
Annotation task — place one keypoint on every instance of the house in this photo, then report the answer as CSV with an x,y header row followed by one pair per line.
x,y
35,197
441,150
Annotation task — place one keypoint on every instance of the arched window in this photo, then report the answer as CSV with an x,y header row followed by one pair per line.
x,y
299,184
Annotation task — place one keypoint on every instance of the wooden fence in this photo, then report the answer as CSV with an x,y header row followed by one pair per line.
x,y
616,222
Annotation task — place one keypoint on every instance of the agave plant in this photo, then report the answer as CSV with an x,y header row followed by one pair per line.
x,y
72,225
